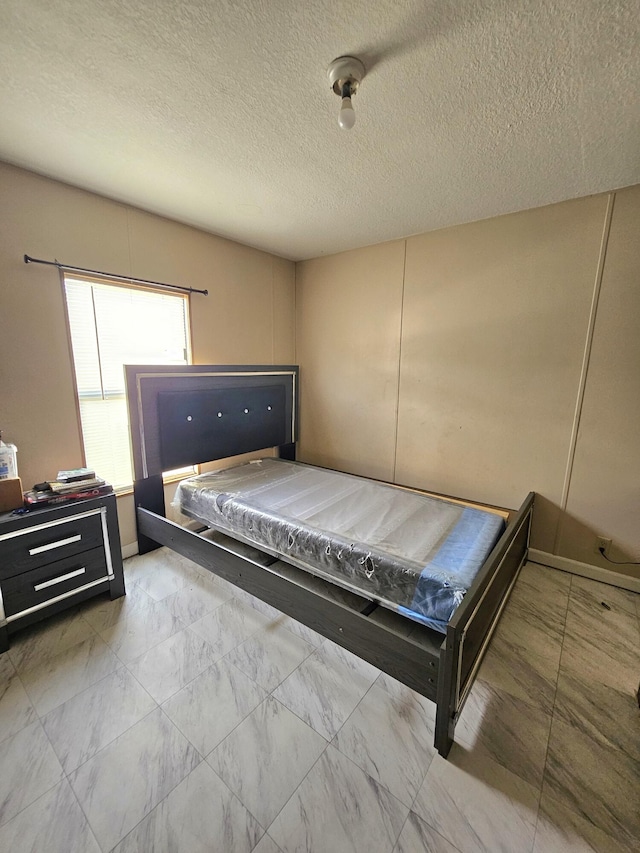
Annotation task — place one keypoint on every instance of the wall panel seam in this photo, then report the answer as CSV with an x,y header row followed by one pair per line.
x,y
273,311
128,219
586,358
295,313
395,437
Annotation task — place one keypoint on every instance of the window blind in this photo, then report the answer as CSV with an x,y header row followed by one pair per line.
x,y
110,326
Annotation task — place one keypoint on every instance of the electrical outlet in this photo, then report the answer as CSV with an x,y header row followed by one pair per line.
x,y
602,545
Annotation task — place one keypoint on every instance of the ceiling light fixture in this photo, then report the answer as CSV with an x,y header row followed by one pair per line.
x,y
345,75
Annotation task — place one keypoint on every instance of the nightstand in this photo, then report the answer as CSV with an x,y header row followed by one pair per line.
x,y
55,557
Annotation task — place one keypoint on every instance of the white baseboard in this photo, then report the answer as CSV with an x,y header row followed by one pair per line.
x,y
129,550
574,567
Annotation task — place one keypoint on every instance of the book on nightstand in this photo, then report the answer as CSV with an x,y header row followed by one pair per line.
x,y
60,487
33,499
75,474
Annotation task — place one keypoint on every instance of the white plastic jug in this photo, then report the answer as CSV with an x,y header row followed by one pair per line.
x,y
8,460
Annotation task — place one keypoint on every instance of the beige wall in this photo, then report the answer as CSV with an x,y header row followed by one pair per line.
x,y
348,333
247,318
455,361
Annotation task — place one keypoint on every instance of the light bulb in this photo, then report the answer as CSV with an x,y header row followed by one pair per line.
x,y
347,116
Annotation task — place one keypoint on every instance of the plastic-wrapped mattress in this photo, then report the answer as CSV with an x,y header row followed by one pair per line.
x,y
413,553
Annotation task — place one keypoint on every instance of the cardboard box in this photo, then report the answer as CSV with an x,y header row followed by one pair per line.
x,y
11,494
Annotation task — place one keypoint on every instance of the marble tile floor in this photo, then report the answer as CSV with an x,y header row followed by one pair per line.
x,y
184,718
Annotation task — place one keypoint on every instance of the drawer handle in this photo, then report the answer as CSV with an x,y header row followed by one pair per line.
x,y
38,586
42,548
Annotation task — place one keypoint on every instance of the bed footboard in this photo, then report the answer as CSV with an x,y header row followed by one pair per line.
x,y
473,623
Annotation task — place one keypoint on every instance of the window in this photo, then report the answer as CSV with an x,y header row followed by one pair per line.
x,y
112,325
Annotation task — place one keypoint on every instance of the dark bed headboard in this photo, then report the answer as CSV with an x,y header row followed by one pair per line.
x,y
187,414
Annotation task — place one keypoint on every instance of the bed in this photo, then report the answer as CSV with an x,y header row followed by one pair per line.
x,y
350,557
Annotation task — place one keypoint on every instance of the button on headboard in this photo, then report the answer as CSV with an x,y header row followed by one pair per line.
x,y
187,414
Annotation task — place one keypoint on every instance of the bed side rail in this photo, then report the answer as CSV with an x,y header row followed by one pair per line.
x,y
333,612
473,623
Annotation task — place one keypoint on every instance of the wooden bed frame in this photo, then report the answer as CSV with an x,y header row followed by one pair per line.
x,y
187,415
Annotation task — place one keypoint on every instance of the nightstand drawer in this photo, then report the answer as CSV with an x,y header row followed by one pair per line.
x,y
46,582
45,543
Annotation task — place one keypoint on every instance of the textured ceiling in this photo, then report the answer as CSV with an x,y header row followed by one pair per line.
x,y
219,114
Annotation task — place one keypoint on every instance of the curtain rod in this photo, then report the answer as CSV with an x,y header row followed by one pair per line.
x,y
114,276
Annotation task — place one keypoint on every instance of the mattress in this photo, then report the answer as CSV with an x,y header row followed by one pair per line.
x,y
410,552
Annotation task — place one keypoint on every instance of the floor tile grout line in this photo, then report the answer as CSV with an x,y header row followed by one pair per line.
x,y
497,764
44,625
4,823
41,717
88,687
291,711
127,619
599,828
426,823
413,802
65,776
583,816
244,806
382,785
402,803
297,668
159,801
539,787
404,823
324,748
298,786
84,814
113,739
379,784
313,650
565,805
80,692
269,691
110,743
471,745
184,735
205,755
246,639
233,794
237,726
145,816
222,657
175,693
277,846
33,802
182,687
33,707
349,716
553,711
22,728
353,710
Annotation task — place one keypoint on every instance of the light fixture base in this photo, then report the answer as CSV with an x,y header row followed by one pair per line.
x,y
345,69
